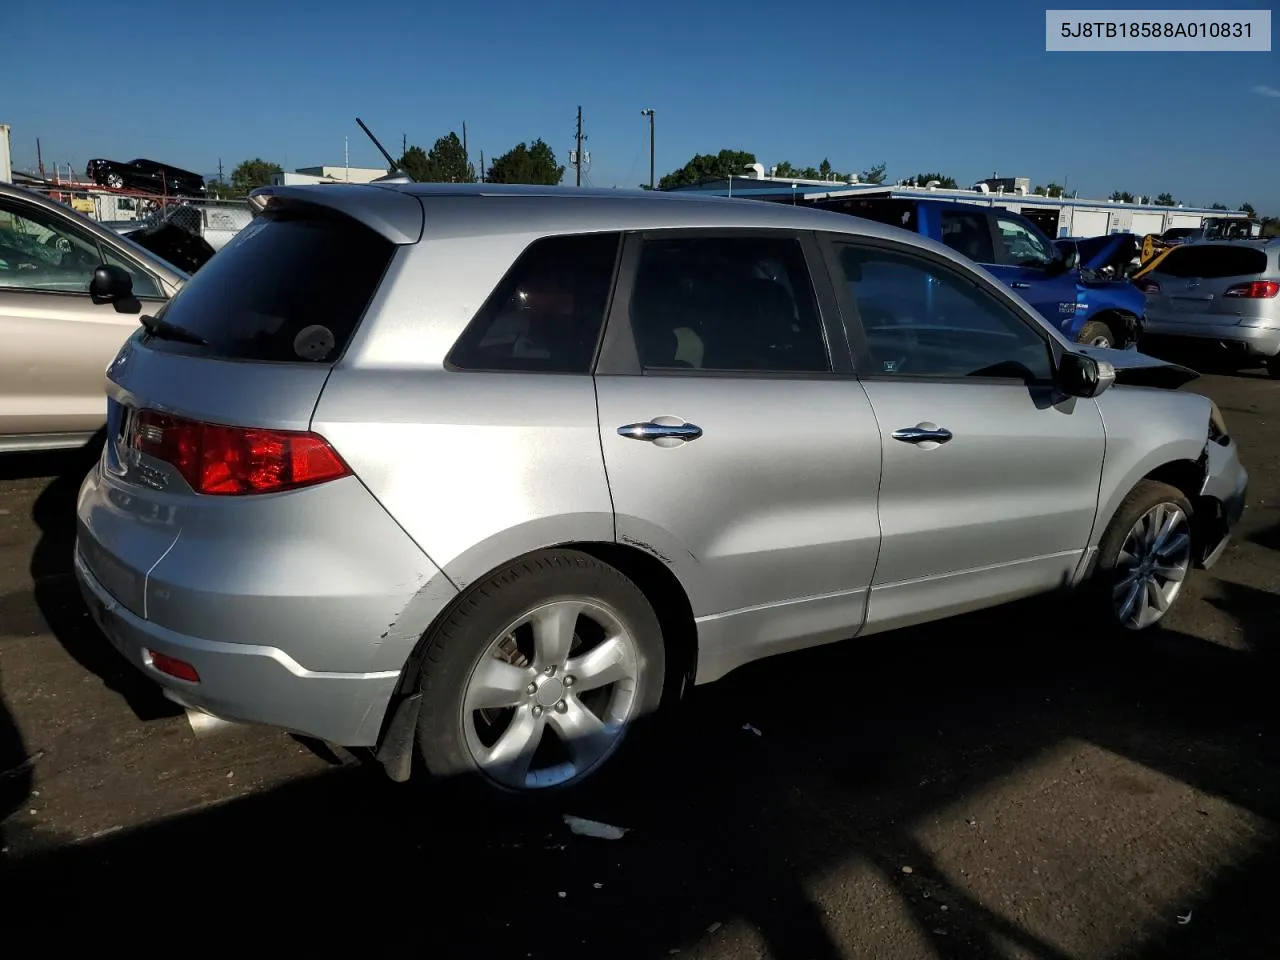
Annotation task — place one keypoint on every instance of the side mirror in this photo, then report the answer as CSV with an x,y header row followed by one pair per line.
x,y
110,284
1082,376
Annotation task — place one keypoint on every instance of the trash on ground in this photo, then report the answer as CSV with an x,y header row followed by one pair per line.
x,y
594,828
907,870
1185,920
714,927
750,729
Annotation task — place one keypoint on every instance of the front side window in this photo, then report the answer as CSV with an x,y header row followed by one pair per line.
x,y
968,234
726,304
547,313
41,251
1020,245
922,319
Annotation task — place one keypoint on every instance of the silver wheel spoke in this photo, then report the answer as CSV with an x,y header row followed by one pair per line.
x,y
1156,597
497,683
1168,525
553,627
582,732
510,757
606,663
1129,608
1173,546
1174,574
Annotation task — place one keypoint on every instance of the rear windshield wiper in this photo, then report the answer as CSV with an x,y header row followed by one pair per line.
x,y
168,331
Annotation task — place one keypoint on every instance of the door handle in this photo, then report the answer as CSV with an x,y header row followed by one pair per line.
x,y
922,433
1019,285
648,430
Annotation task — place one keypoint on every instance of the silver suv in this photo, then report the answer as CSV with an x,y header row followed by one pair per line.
x,y
494,472
1223,292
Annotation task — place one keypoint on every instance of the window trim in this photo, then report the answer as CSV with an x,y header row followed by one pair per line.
x,y
620,354
491,299
20,206
862,358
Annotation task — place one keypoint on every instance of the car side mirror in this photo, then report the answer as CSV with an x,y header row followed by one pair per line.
x,y
1081,376
110,284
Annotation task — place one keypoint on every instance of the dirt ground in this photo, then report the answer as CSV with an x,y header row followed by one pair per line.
x,y
994,787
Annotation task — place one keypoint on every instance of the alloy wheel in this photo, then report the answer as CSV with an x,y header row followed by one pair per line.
x,y
552,695
1152,566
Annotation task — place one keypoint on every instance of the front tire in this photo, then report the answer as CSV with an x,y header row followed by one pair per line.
x,y
535,678
1144,557
1097,334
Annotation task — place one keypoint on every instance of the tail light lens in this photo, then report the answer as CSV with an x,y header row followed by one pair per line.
x,y
1147,286
233,461
1257,290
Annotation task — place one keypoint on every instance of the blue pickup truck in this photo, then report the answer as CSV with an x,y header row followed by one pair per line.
x,y
1086,306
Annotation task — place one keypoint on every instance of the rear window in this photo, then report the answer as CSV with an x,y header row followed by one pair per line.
x,y
895,213
290,287
547,313
1211,262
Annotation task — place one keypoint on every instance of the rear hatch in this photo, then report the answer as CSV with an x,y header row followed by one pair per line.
x,y
214,395
1220,283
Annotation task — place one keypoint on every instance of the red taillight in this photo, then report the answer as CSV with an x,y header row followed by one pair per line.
x,y
1257,290
173,667
232,461
1147,286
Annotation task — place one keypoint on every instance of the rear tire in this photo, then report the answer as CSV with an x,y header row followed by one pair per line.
x,y
538,674
1144,557
1097,334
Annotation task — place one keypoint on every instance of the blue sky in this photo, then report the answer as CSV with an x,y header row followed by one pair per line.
x,y
967,89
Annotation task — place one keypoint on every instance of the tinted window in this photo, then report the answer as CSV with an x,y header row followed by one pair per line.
x,y
896,213
547,313
1211,262
42,251
726,303
1020,245
923,319
290,287
969,235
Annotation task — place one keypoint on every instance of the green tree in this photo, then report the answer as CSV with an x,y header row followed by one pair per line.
x,y
875,174
785,169
1122,196
1166,200
532,163
219,189
1217,206
414,162
944,182
709,166
447,162
1248,208
252,174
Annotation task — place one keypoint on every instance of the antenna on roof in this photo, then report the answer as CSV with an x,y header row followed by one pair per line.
x,y
398,172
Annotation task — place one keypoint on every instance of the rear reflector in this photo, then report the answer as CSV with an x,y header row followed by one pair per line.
x,y
174,667
233,461
1257,290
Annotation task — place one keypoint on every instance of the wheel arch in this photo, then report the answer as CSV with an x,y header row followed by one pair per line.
x,y
660,586
1125,325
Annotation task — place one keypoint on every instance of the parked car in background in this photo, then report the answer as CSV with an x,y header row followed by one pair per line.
x,y
146,175
522,463
1104,312
63,317
1223,293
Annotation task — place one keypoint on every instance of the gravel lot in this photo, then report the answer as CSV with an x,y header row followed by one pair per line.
x,y
1000,786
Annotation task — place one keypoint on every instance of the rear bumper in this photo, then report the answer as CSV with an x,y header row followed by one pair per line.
x,y
248,683
1255,341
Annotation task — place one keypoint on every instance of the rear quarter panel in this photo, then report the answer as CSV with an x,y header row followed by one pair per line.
x,y
1146,428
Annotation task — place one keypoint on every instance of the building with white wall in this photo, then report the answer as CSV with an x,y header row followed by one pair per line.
x,y
324,174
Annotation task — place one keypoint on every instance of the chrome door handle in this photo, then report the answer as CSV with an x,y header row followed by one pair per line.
x,y
1019,285
648,430
923,433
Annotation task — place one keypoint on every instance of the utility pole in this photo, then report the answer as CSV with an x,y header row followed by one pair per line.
x,y
482,166
648,112
220,180
577,155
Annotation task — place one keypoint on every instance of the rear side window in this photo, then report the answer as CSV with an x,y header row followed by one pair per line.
x,y
1212,262
969,234
547,313
291,287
